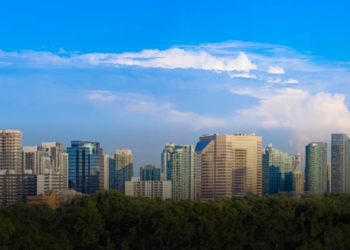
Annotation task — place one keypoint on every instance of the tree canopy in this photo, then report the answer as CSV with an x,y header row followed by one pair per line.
x,y
110,220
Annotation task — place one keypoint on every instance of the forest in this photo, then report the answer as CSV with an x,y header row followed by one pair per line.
x,y
110,220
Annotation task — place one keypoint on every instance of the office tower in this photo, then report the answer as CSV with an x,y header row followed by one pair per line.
x,y
106,172
86,165
10,150
329,177
298,177
149,173
55,151
228,165
340,162
183,172
152,189
35,160
112,173
122,170
165,168
316,168
14,188
277,169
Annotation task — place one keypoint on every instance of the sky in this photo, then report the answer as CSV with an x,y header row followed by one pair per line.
x,y
139,74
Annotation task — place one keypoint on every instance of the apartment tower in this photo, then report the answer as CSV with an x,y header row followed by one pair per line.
x,y
228,165
10,151
121,169
316,168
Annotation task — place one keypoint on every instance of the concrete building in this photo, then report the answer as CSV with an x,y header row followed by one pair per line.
x,y
149,173
35,160
14,188
121,169
48,197
316,168
86,167
10,150
228,165
277,171
340,162
298,177
183,173
151,189
165,168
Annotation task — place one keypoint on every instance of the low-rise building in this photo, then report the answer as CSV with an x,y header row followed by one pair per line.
x,y
48,197
152,189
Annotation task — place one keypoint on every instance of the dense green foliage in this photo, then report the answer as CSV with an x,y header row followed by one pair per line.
x,y
110,220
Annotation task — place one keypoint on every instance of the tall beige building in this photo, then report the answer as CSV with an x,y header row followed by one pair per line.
x,y
298,177
10,150
228,165
123,169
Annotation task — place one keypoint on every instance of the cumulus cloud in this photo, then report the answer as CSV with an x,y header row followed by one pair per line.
x,y
309,117
275,70
291,81
274,80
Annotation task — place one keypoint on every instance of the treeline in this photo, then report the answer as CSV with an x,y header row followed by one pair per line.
x,y
110,220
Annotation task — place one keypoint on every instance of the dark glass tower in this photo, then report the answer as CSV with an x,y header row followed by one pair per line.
x,y
340,163
85,166
149,173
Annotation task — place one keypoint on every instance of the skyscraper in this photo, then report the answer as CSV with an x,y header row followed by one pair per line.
x,y
86,165
122,170
316,168
340,162
277,168
329,177
149,173
165,168
298,177
183,172
106,172
228,165
10,150
35,160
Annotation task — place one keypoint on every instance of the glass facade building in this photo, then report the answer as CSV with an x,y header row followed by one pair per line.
x,y
340,163
149,173
121,169
166,168
316,168
228,165
86,164
277,170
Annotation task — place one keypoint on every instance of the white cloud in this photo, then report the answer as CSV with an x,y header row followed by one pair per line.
x,y
62,51
308,117
291,81
276,70
243,75
273,80
142,104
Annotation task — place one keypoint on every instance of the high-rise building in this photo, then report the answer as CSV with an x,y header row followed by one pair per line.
x,y
86,166
10,150
58,162
35,160
316,168
165,168
329,177
122,170
106,172
228,165
183,172
277,170
340,162
298,177
149,173
152,189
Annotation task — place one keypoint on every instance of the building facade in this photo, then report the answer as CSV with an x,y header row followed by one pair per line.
x,y
151,189
10,150
228,165
35,160
149,173
316,168
340,163
277,171
165,168
121,169
86,166
298,177
106,172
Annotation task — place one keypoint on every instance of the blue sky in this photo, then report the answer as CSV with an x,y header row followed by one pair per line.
x,y
139,74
